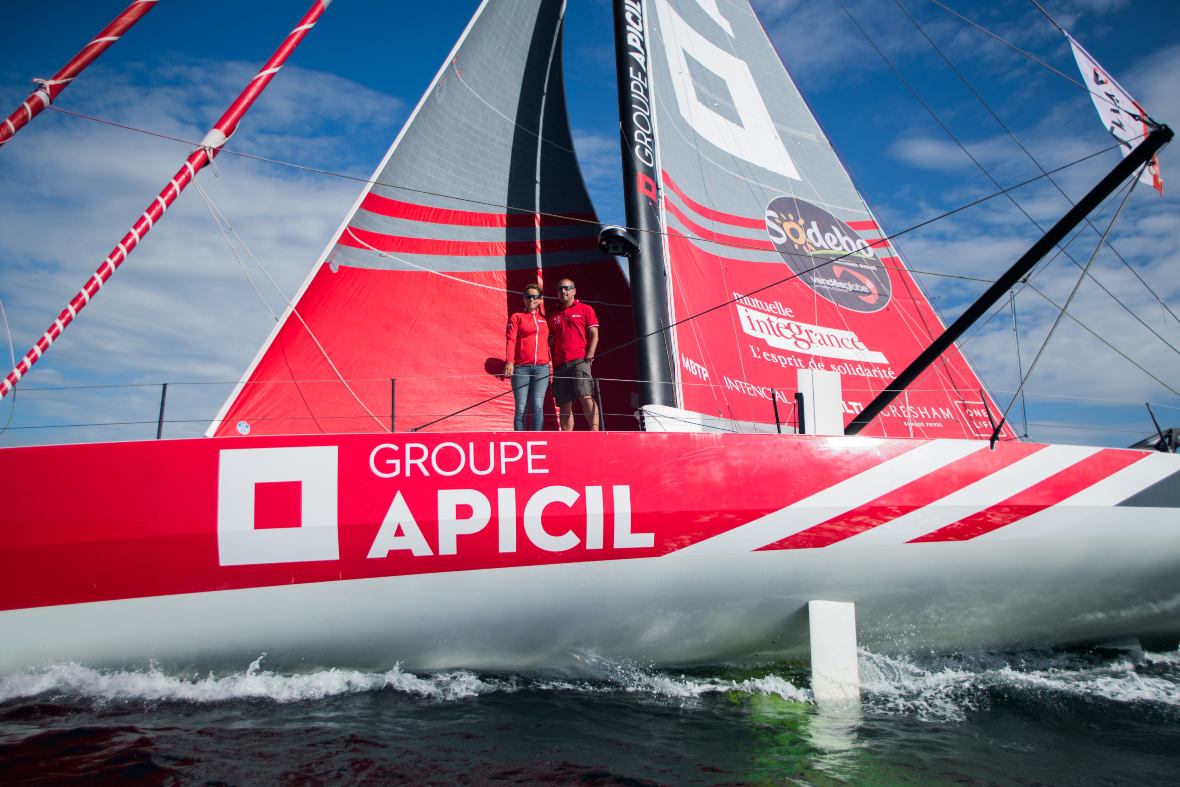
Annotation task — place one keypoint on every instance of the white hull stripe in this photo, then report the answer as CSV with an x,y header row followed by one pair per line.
x,y
835,500
973,498
1108,492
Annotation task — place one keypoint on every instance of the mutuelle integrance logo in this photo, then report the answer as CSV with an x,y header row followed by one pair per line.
x,y
807,236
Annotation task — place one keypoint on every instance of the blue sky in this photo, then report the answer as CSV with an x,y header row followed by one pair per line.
x,y
181,310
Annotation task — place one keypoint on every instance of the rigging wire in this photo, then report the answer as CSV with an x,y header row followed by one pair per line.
x,y
1047,66
1101,339
12,355
219,218
978,164
575,219
939,217
1065,308
735,299
1019,362
995,116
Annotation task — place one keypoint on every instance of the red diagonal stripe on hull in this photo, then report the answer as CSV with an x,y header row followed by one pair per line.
x,y
384,206
1037,497
901,501
399,244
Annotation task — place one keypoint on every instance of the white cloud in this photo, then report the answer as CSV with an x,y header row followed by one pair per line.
x,y
179,310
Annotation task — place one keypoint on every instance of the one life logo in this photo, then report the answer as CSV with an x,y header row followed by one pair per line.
x,y
301,482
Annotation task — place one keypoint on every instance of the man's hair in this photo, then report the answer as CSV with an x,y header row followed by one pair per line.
x,y
536,287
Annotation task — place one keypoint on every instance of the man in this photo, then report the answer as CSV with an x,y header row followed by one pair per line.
x,y
573,337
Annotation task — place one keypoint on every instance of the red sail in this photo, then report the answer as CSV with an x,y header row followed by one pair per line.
x,y
775,261
401,323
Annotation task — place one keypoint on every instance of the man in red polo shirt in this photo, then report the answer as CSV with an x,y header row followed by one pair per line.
x,y
573,337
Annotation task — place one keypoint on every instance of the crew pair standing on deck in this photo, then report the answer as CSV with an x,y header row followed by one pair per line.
x,y
571,337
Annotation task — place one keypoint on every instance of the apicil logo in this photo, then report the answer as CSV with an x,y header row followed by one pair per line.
x,y
277,505
807,237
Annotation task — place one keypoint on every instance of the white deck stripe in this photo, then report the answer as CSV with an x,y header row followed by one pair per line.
x,y
837,499
973,498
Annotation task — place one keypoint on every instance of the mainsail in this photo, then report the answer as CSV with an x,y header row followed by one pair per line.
x,y
401,323
775,261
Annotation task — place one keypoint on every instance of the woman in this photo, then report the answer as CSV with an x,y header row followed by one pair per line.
x,y
527,360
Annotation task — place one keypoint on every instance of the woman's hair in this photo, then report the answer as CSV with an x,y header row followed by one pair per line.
x,y
536,287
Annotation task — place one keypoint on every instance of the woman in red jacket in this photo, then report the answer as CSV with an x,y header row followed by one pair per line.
x,y
527,360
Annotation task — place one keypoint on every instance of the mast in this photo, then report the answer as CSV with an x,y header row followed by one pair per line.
x,y
50,89
210,146
649,294
1125,168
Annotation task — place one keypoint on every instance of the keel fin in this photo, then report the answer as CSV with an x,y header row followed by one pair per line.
x,y
835,677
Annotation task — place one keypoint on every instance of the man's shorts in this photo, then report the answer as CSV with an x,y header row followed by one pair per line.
x,y
572,381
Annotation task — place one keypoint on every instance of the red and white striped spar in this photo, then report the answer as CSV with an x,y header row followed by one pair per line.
x,y
50,89
210,146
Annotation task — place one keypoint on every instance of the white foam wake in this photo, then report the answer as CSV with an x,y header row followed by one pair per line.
x,y
948,688
255,682
154,685
935,688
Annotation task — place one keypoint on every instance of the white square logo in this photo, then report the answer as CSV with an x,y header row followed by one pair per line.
x,y
314,537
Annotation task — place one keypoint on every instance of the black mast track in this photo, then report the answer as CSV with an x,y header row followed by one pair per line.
x,y
649,292
1159,137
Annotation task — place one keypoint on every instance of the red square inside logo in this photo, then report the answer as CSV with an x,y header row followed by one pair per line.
x,y
278,504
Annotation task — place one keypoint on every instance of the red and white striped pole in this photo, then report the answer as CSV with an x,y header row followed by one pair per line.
x,y
210,146
49,90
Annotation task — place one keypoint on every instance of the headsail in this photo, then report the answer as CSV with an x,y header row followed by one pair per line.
x,y
479,195
775,261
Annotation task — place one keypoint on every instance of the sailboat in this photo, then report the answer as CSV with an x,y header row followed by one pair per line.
x,y
765,310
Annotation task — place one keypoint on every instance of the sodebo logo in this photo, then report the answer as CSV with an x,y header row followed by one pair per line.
x,y
240,471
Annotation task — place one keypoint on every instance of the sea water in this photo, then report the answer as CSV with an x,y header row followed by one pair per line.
x,y
1039,717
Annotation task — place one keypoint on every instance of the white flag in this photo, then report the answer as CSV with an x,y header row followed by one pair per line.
x,y
1122,115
